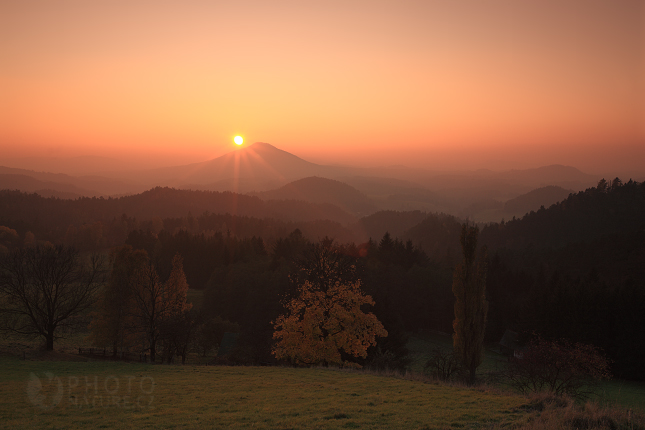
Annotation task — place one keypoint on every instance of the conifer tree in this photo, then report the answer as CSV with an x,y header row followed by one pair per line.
x,y
471,307
176,289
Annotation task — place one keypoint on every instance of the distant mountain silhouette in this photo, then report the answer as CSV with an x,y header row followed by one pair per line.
x,y
533,200
29,184
262,167
398,194
555,174
76,166
580,218
321,190
87,186
494,211
160,203
478,195
258,167
528,179
438,236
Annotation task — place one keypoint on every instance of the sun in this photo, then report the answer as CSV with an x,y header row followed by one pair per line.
x,y
238,140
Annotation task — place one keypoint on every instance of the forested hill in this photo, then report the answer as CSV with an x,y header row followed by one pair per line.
x,y
322,190
161,203
575,271
581,218
97,223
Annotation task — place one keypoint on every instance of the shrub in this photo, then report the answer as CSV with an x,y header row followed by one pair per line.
x,y
442,365
561,368
548,412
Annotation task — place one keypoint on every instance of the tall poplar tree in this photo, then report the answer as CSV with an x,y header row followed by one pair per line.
x,y
471,307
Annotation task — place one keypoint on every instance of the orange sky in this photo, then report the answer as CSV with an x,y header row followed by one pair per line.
x,y
437,84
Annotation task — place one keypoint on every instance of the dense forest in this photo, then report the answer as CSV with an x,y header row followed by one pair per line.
x,y
575,270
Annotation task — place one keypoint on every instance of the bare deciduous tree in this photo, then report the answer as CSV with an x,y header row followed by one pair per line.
x,y
45,289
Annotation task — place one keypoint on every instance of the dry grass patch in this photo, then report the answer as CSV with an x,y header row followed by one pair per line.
x,y
557,413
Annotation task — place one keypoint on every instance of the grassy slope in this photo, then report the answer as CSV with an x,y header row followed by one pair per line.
x,y
242,397
421,346
626,393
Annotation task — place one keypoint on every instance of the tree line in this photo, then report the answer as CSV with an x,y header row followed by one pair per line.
x,y
588,290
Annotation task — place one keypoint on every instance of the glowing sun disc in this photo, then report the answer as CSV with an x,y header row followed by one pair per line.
x,y
238,140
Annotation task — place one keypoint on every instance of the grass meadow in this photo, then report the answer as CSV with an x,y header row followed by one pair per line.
x,y
61,390
71,395
627,394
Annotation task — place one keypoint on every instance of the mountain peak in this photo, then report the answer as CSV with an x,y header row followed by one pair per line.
x,y
266,149
264,145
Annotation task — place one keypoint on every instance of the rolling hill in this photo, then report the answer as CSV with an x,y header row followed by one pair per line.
x,y
533,200
263,168
29,184
494,210
321,190
87,186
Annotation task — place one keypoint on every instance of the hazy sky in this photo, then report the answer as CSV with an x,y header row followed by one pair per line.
x,y
437,84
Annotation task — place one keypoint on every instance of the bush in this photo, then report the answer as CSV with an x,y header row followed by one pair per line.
x,y
560,368
442,365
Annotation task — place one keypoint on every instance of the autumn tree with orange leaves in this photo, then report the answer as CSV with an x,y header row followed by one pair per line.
x,y
321,325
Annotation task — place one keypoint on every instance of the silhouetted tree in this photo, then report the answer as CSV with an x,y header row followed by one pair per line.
x,y
471,307
157,302
44,289
325,264
210,331
112,323
8,238
602,185
177,333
